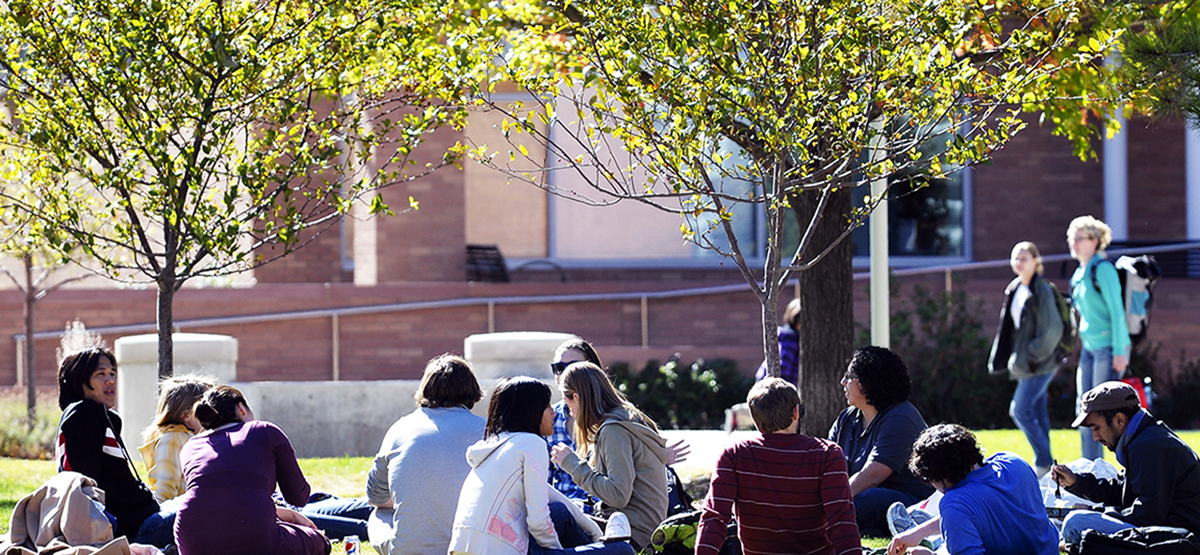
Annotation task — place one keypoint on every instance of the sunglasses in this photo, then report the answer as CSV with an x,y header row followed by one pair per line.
x,y
558,368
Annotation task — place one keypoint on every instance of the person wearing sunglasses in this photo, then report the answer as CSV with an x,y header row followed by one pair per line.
x,y
572,350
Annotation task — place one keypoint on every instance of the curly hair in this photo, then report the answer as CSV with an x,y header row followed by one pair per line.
x,y
882,376
1094,229
945,453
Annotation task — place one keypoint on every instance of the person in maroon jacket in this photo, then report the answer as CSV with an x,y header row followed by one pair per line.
x,y
791,492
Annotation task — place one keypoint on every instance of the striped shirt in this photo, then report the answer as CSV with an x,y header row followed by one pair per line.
x,y
791,493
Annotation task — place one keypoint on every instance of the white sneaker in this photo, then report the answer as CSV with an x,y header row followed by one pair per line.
x,y
617,529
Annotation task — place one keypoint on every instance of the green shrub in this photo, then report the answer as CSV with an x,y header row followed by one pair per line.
x,y
16,439
1175,390
683,397
941,338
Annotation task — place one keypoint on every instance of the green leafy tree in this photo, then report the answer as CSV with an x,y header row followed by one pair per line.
x,y
717,110
200,132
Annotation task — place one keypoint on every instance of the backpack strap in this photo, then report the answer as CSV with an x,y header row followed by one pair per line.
x,y
1095,267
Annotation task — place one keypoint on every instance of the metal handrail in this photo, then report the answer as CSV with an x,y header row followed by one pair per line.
x,y
547,299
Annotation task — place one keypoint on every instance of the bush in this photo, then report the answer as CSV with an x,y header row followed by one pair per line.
x,y
1175,390
683,397
16,439
941,338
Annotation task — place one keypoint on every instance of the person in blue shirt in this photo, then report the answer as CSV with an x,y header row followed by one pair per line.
x,y
991,506
789,346
1102,325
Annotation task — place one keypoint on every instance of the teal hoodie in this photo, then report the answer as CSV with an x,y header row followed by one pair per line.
x,y
1102,313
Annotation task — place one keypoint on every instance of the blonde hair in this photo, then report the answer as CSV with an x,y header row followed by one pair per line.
x,y
597,398
1029,247
176,397
1094,228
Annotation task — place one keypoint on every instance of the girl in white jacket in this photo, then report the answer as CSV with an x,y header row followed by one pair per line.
x,y
506,507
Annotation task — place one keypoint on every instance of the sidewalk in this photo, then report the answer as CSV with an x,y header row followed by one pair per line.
x,y
706,446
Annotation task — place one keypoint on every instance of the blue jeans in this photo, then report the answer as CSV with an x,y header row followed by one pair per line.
x,y
339,517
574,539
870,510
1081,520
159,528
1095,368
1028,410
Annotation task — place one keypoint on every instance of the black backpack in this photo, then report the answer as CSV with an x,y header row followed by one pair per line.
x,y
1066,341
1132,541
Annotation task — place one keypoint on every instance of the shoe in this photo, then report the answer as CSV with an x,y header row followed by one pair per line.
x,y
617,529
899,520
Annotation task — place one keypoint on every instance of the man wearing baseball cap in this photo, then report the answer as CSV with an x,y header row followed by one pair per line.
x,y
1160,485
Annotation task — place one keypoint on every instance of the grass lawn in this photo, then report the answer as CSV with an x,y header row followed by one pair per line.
x,y
346,476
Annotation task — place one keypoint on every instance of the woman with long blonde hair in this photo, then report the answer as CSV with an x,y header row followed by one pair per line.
x,y
623,459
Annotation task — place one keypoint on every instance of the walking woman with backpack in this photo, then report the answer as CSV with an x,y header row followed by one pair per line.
x,y
1096,294
1026,348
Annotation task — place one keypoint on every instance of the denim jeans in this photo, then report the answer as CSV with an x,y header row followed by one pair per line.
x,y
1028,410
159,528
574,539
1082,520
339,517
1095,368
870,510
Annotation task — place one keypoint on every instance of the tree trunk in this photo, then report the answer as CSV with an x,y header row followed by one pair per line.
x,y
30,351
166,325
826,311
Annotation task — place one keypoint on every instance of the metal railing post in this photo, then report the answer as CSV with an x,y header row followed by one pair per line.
x,y
337,348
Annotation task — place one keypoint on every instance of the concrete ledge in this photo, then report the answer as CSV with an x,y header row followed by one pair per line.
x,y
335,419
508,354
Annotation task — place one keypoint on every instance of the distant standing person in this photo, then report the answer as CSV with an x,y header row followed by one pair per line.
x,y
789,346
1030,327
1102,326
876,433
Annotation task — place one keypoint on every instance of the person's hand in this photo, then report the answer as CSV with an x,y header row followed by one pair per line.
x,y
1062,475
679,451
559,453
292,517
1119,363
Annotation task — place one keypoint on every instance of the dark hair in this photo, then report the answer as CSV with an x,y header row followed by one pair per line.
x,y
76,369
882,376
1110,413
791,315
771,402
517,405
448,382
946,453
580,344
219,406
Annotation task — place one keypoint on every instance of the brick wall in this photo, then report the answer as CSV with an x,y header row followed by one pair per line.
x,y
397,345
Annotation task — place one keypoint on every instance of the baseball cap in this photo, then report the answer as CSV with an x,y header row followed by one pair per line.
x,y
1107,396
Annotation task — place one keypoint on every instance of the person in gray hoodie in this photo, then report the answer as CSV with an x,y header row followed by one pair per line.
x,y
624,459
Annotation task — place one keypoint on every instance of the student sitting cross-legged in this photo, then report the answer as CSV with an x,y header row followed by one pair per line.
x,y
987,506
1160,485
790,491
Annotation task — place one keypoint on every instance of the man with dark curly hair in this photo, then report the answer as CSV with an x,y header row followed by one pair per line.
x,y
876,432
988,506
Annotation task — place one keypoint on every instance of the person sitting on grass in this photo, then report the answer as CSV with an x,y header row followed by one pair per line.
x,y
89,442
1161,482
988,506
790,491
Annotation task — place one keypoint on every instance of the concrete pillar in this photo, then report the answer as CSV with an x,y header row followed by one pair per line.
x,y
137,377
1116,182
1192,156
507,354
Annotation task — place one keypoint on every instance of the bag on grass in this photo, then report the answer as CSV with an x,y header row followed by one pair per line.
x,y
677,536
1150,539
